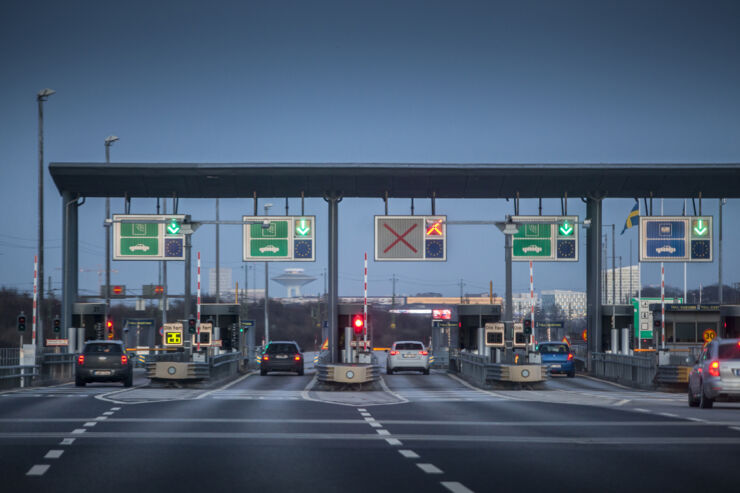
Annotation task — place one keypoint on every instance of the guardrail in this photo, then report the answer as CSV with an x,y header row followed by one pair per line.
x,y
672,375
637,371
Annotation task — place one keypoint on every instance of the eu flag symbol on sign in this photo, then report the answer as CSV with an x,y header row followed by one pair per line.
x,y
633,217
303,249
173,247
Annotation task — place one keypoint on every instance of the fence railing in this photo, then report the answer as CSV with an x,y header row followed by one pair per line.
x,y
631,370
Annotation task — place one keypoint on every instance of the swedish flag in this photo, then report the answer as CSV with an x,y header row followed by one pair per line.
x,y
633,217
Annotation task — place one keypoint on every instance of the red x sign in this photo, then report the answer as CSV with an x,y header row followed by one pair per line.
x,y
400,237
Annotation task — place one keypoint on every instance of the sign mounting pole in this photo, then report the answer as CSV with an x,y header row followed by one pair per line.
x,y
35,297
364,308
531,298
197,320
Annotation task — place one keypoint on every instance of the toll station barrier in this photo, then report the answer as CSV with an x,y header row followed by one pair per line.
x,y
347,373
482,372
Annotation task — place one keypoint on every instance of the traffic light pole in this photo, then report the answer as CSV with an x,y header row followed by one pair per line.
x,y
333,201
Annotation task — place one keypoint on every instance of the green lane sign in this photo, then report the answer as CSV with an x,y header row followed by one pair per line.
x,y
545,238
148,237
279,238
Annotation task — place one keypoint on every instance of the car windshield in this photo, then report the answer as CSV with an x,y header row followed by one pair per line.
x,y
103,349
409,346
554,348
276,348
729,351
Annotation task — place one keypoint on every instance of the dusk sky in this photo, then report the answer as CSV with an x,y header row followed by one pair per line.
x,y
364,81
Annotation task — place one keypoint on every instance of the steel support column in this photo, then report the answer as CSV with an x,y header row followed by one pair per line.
x,y
70,268
593,274
333,296
508,311
188,302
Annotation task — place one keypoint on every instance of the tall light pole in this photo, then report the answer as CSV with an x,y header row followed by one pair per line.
x,y
267,289
108,142
40,98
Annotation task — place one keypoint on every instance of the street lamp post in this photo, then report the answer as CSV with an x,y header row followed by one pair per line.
x,y
108,142
40,98
267,290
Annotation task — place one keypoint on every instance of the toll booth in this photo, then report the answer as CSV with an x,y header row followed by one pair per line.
x,y
616,317
89,320
472,320
225,319
729,321
346,312
686,326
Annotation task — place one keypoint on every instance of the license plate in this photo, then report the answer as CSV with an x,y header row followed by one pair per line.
x,y
555,367
102,372
737,372
281,356
409,356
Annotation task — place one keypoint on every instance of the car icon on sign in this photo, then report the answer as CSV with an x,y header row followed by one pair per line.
x,y
139,247
532,248
666,249
269,248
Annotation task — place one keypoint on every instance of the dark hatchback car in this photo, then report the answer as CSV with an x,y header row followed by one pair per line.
x,y
104,361
282,356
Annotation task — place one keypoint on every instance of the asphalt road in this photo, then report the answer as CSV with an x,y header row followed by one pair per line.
x,y
421,433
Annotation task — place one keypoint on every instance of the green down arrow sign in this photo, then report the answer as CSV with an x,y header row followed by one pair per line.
x,y
303,227
700,229
173,227
566,229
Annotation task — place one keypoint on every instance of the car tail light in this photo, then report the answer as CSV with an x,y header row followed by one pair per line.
x,y
265,357
124,359
297,357
714,368
423,353
393,353
570,356
81,359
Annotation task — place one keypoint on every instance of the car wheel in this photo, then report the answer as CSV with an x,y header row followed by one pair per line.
x,y
263,372
129,380
693,401
79,382
389,371
426,372
300,372
704,401
572,374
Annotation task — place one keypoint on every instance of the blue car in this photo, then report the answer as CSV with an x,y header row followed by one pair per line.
x,y
556,356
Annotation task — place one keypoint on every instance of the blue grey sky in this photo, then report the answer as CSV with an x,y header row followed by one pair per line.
x,y
353,81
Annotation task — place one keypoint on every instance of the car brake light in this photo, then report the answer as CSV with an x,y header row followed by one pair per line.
x,y
714,368
570,356
81,359
265,357
423,353
297,357
393,353
124,359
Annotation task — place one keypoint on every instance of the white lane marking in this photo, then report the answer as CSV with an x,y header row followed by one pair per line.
x,y
698,420
393,441
108,413
375,424
67,441
494,394
429,468
53,454
642,410
101,418
385,388
736,428
669,415
362,410
224,387
383,432
369,420
365,414
456,487
115,409
105,397
622,402
38,470
609,382
409,454
79,430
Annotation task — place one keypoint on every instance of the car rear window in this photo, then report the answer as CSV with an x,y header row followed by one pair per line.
x,y
102,349
729,351
409,346
277,348
554,348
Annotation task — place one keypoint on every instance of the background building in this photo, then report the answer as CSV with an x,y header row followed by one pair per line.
x,y
625,285
572,304
227,285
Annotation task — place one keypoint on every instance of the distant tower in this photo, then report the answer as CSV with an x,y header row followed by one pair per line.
x,y
293,279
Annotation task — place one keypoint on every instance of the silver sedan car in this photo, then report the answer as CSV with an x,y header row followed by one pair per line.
x,y
408,355
716,374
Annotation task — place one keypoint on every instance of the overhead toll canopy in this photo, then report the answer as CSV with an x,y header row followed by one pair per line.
x,y
443,180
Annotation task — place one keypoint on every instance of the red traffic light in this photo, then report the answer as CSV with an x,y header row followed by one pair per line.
x,y
158,289
358,323
117,289
109,324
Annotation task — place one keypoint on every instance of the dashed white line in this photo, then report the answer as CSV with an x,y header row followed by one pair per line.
x,y
375,424
38,470
383,432
108,413
429,468
365,414
369,419
642,410
698,420
67,441
101,418
622,402
669,415
736,428
409,454
456,487
79,430
393,441
362,410
115,409
90,424
53,454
